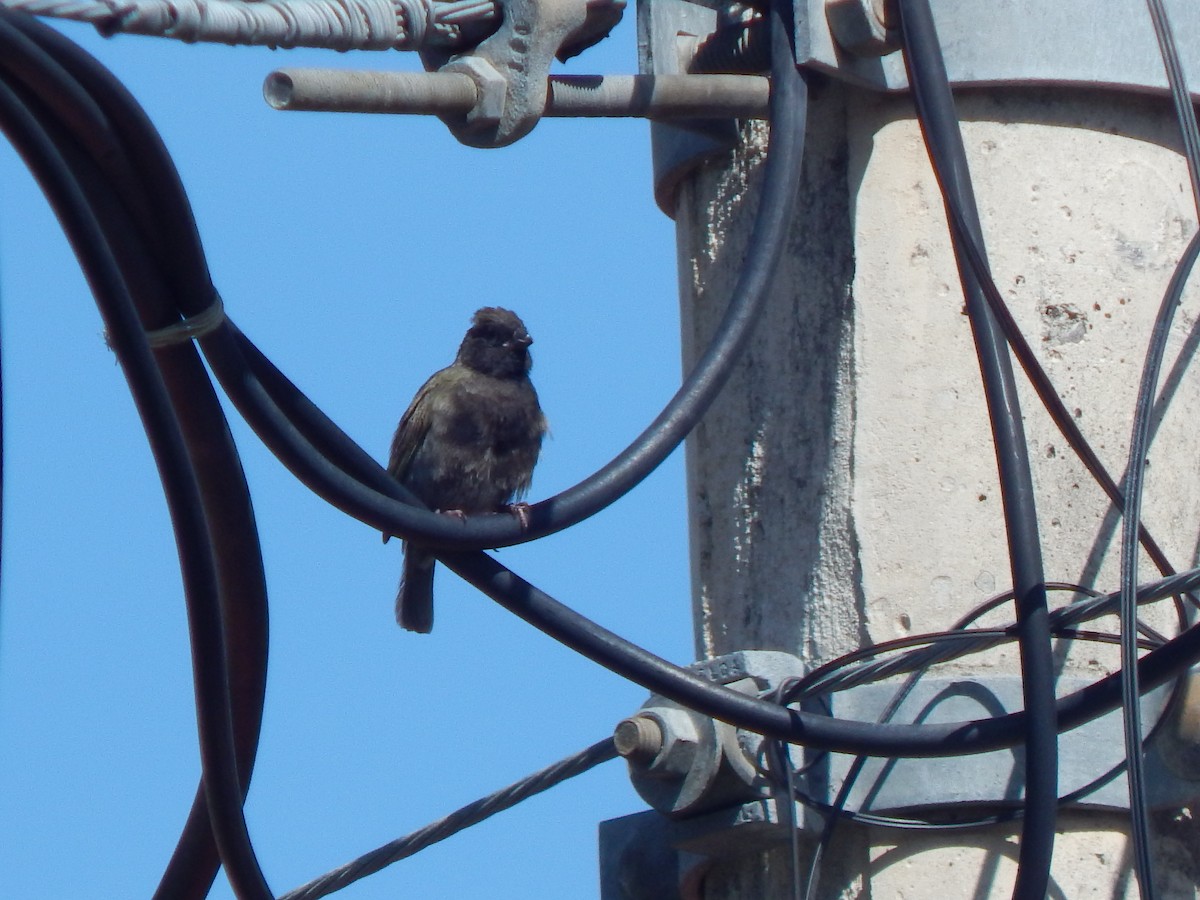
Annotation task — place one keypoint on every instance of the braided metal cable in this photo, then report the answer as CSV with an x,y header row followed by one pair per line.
x,y
326,24
471,814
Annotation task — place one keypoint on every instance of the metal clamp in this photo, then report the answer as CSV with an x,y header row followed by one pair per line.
x,y
682,764
510,69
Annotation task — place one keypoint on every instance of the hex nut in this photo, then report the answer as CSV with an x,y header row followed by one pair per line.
x,y
863,27
491,87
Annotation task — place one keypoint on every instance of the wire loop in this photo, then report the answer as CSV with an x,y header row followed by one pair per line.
x,y
188,329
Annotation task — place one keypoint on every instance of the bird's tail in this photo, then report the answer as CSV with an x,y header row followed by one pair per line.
x,y
414,599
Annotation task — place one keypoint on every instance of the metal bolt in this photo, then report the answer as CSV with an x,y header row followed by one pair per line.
x,y
638,739
453,92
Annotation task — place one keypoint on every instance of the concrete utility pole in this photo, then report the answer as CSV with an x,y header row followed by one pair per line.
x,y
843,491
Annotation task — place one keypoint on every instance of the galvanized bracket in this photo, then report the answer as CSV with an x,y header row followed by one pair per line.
x,y
986,43
669,32
510,68
711,793
1016,42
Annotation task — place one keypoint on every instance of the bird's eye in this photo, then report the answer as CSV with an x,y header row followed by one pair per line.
x,y
492,336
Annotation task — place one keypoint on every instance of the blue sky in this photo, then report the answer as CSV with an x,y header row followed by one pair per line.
x,y
353,250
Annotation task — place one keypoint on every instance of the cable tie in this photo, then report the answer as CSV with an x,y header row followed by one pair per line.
x,y
196,326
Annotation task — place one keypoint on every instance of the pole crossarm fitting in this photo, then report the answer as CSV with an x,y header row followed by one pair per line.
x,y
511,68
456,94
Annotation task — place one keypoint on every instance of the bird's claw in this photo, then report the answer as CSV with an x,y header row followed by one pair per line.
x,y
521,512
454,514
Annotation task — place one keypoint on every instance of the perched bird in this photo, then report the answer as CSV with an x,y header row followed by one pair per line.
x,y
468,442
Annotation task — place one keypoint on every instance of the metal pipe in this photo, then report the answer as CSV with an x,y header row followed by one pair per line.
x,y
454,93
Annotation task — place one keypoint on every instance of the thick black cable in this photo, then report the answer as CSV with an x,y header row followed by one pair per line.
x,y
465,817
119,136
939,121
223,490
658,675
347,478
73,195
170,453
816,731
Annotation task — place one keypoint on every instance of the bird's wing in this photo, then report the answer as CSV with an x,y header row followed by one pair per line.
x,y
410,434
411,431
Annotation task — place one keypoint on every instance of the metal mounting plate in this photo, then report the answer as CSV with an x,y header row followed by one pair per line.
x,y
1008,42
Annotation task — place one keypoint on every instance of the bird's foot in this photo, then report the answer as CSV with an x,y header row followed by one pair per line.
x,y
520,511
454,514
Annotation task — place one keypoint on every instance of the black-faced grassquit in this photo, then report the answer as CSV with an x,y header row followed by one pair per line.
x,y
468,442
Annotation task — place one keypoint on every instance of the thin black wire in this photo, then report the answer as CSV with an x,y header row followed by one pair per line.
x,y
836,811
77,193
939,121
1139,445
471,814
940,647
1138,448
781,772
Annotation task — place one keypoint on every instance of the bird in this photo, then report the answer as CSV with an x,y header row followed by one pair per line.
x,y
468,443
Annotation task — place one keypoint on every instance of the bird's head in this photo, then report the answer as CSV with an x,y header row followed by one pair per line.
x,y
496,344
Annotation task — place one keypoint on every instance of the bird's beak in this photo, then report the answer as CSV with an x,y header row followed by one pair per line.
x,y
521,340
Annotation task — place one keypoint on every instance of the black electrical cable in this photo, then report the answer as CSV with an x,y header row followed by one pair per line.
x,y
222,483
1138,450
939,121
1139,446
815,731
348,481
73,194
170,453
958,641
836,811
